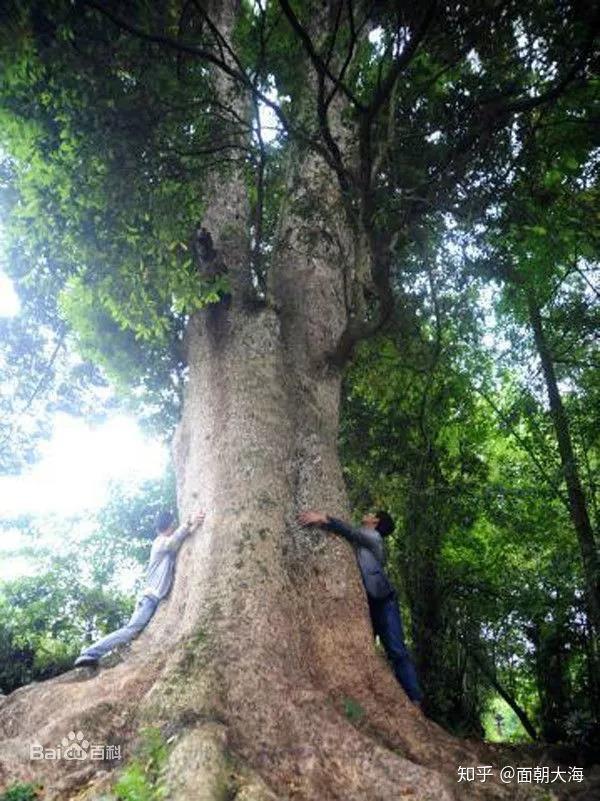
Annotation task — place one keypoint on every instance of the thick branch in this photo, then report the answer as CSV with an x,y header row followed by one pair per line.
x,y
354,34
167,41
320,66
358,329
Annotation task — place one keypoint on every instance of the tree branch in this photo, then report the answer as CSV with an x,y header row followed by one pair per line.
x,y
354,34
40,384
399,64
357,329
543,474
239,76
321,68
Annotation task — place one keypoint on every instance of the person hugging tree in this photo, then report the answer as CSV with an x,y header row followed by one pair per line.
x,y
383,604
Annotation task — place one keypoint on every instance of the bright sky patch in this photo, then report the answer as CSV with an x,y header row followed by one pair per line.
x,y
77,466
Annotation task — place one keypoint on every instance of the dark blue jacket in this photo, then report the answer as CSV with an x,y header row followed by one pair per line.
x,y
368,544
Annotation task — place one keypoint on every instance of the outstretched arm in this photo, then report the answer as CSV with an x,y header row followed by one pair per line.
x,y
178,536
354,535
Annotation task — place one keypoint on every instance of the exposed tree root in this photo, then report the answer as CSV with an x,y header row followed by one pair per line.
x,y
276,739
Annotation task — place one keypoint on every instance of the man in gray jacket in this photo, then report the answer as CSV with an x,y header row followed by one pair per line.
x,y
383,605
159,578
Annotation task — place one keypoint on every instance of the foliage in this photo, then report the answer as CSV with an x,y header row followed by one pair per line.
x,y
458,445
43,620
413,436
21,792
476,138
501,724
92,239
140,779
111,143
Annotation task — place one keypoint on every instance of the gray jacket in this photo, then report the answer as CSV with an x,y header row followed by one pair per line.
x,y
162,562
368,544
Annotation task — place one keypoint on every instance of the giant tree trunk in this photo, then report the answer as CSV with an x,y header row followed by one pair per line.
x,y
265,636
265,640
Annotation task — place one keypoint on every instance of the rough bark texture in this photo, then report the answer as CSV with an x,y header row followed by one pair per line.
x,y
265,635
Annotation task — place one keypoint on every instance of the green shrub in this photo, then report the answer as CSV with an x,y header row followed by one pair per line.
x,y
353,710
140,780
22,792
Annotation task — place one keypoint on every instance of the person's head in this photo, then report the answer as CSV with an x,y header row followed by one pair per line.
x,y
381,521
165,522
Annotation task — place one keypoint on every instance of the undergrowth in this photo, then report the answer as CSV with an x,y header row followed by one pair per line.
x,y
22,792
141,779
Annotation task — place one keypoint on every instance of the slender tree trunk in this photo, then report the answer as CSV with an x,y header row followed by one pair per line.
x,y
577,503
423,532
506,696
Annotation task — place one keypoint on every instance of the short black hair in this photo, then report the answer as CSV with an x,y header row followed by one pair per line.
x,y
386,524
164,520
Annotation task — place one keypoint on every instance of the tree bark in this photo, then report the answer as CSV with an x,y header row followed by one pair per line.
x,y
264,641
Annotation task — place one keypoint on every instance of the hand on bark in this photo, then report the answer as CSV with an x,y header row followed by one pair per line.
x,y
195,520
309,518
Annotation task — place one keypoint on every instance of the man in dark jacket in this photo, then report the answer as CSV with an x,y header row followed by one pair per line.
x,y
383,605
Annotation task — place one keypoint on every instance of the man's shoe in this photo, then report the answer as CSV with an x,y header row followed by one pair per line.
x,y
85,661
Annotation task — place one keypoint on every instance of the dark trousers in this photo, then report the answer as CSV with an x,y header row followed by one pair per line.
x,y
387,625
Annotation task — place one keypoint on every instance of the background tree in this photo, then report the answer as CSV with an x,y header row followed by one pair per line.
x,y
547,245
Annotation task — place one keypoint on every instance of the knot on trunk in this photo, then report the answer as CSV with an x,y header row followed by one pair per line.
x,y
209,261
